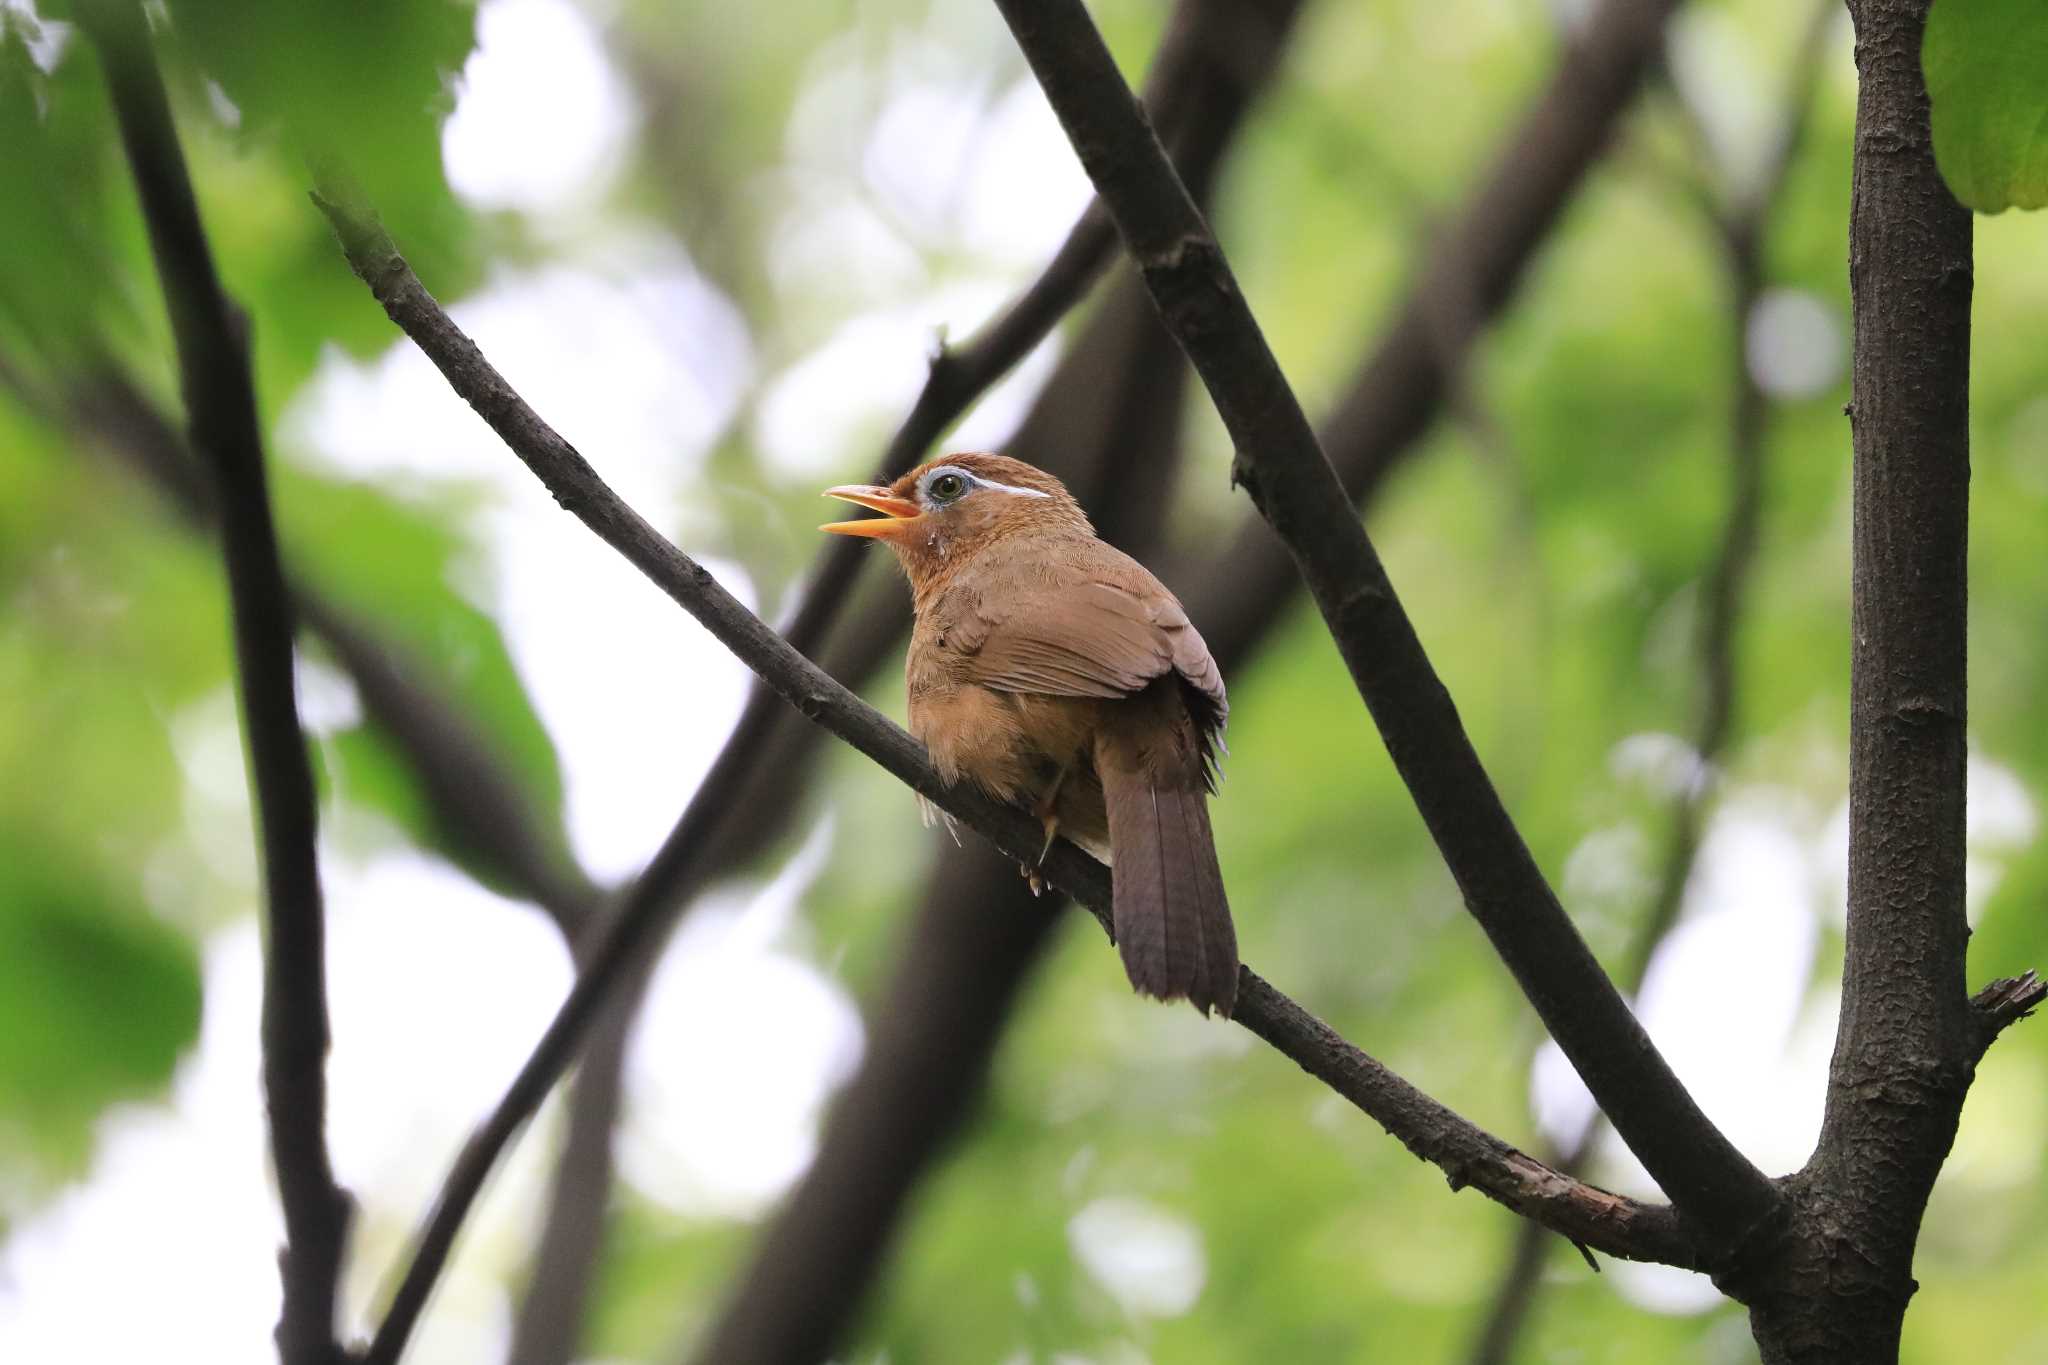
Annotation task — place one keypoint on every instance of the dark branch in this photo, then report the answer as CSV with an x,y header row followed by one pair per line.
x,y
1907,1040
2007,1001
1282,465
549,1321
1740,223
1109,422
1646,1232
816,1240
1481,255
220,405
1211,52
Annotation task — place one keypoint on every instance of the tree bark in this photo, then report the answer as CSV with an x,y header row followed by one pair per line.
x,y
1908,1042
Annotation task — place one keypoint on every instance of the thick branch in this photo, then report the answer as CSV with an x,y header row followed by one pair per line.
x,y
1907,1041
1645,1231
220,405
1283,467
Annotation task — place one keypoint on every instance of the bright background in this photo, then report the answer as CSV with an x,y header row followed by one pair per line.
x,y
714,245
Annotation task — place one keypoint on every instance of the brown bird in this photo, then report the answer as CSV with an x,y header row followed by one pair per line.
x,y
1056,673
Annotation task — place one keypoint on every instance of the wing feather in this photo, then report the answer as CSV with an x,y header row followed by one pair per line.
x,y
1088,637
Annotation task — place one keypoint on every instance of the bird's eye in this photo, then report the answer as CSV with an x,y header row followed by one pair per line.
x,y
947,487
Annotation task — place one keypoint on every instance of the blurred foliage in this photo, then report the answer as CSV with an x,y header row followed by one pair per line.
x,y
1984,60
1550,544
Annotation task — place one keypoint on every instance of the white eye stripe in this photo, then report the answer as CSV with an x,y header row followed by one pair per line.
x,y
1013,488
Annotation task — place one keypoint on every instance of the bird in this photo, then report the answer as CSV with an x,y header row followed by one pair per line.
x,y
1053,671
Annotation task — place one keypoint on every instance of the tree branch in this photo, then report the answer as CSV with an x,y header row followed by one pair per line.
x,y
1622,1227
1282,466
826,1237
2006,1001
1482,252
1740,222
220,405
1907,1042
1211,51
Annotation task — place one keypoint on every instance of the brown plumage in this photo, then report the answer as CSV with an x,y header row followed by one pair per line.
x,y
1058,674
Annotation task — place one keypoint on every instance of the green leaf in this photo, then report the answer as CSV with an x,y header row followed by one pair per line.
x,y
97,997
54,274
393,566
1987,77
366,79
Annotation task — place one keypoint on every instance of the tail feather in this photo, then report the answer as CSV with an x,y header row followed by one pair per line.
x,y
1171,916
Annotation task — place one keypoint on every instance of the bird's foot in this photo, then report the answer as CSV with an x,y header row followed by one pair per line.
x,y
1032,878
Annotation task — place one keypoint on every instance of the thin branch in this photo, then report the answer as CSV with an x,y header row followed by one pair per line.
x,y
1621,1227
1740,223
220,405
1210,51
2006,1001
826,1237
1111,418
551,1312
1282,465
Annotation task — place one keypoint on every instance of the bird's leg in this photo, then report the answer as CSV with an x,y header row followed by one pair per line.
x,y
1045,809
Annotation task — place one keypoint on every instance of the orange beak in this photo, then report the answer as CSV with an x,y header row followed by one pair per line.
x,y
898,512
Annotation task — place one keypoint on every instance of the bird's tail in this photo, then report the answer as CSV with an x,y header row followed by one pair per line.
x,y
1172,919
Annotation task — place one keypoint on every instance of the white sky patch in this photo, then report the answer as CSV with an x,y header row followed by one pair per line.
x,y
918,153
1793,343
639,371
437,989
45,39
1664,764
637,695
541,119
1151,1261
1024,186
742,1043
2001,820
1716,75
829,412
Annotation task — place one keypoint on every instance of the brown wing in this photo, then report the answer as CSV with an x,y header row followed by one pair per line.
x,y
1093,630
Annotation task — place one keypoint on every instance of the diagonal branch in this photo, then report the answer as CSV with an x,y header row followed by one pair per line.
x,y
1621,1227
220,405
1283,467
889,1124
1211,52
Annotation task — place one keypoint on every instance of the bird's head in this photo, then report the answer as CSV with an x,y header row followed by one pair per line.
x,y
943,513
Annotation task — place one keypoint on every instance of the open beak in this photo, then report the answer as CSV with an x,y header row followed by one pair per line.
x,y
897,512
